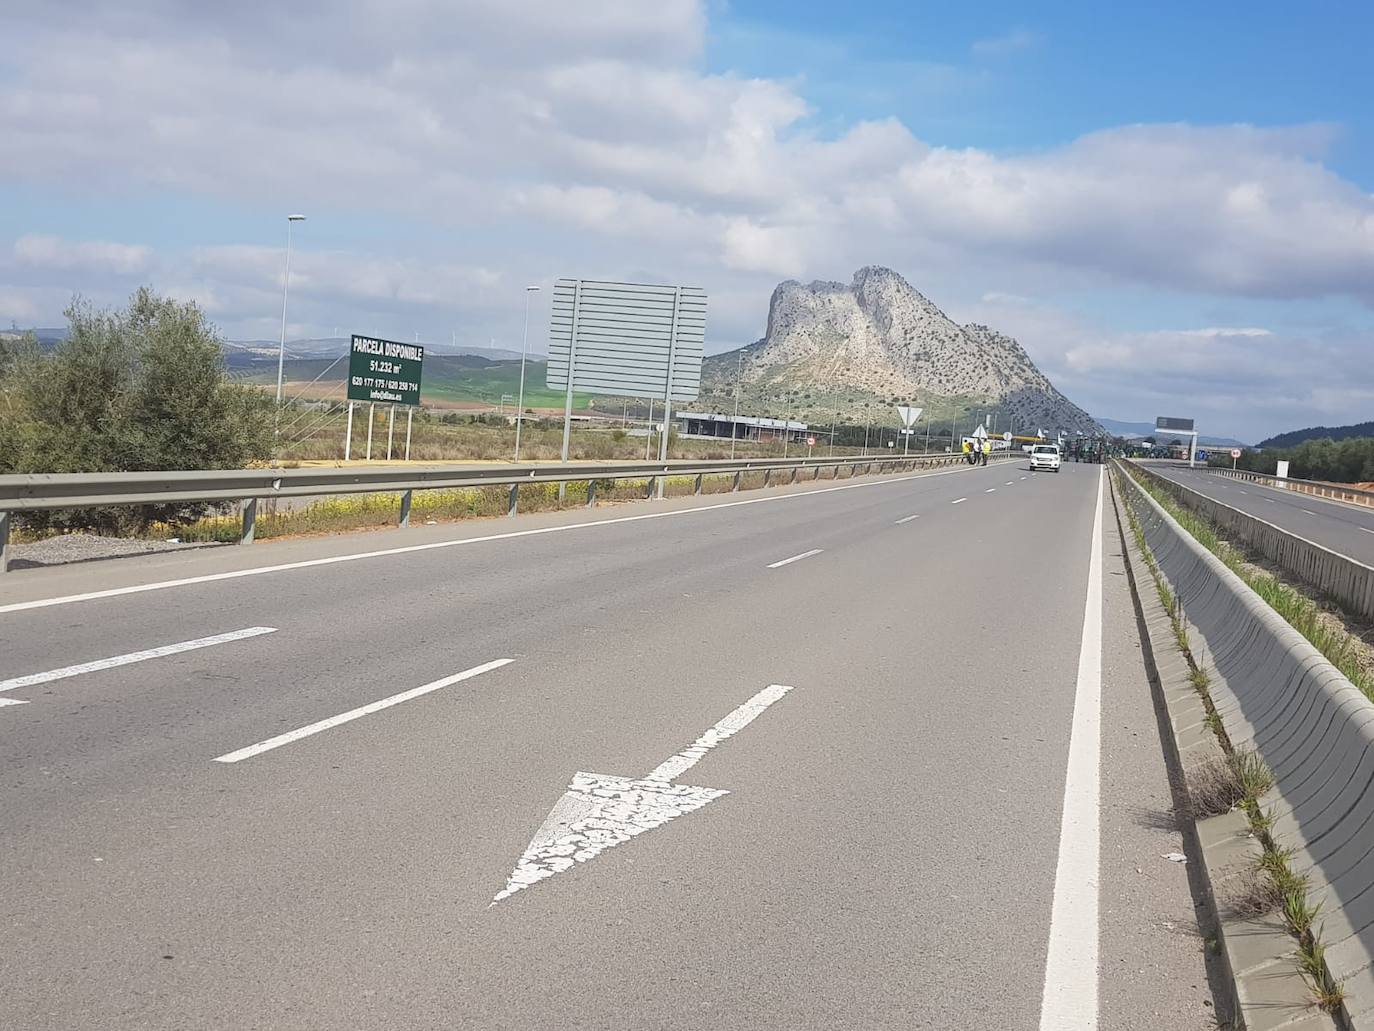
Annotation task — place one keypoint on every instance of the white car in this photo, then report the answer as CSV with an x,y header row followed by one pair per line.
x,y
1045,456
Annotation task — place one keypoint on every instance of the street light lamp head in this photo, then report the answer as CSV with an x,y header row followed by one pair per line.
x,y
295,218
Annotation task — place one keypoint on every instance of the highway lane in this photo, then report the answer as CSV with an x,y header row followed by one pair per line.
x,y
889,841
1346,529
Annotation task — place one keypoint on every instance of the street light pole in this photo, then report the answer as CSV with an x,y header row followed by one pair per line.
x,y
285,284
524,346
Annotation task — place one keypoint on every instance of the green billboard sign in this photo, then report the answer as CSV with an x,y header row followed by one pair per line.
x,y
384,371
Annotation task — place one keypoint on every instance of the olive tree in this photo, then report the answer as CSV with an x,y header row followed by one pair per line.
x,y
131,389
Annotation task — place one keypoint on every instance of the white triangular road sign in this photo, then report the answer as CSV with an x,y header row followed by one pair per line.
x,y
908,415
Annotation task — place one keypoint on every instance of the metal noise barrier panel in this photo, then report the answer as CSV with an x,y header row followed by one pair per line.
x,y
1315,729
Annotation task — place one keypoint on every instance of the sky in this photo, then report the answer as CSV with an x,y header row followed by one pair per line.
x,y
1169,205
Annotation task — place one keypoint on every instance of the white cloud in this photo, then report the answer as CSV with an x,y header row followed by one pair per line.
x,y
1213,332
1007,43
52,252
543,138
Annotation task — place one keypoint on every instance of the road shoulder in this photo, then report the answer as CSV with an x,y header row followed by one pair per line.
x,y
1154,958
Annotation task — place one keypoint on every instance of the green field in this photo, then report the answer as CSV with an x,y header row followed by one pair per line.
x,y
448,379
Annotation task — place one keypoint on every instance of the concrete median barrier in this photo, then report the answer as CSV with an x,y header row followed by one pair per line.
x,y
1348,582
1276,693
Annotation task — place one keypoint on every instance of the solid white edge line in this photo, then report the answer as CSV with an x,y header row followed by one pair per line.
x,y
141,656
795,558
235,574
358,713
1366,529
1071,974
907,519
739,718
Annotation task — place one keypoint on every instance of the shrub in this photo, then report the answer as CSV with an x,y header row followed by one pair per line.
x,y
139,388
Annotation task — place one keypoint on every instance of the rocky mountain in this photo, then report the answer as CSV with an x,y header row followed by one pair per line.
x,y
877,341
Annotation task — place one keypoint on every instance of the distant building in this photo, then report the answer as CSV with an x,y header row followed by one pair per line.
x,y
741,427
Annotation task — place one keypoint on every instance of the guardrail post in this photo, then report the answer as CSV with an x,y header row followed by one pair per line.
x,y
514,499
696,489
735,486
649,487
405,508
250,519
4,542
767,476
817,474
591,493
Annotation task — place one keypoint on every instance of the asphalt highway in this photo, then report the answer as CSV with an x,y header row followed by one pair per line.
x,y
1344,528
830,737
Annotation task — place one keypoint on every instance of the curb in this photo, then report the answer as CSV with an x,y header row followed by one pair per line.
x,y
1266,990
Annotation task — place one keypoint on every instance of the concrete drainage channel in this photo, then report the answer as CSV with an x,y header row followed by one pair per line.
x,y
1290,867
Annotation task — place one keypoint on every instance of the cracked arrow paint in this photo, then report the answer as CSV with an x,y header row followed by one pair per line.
x,y
598,811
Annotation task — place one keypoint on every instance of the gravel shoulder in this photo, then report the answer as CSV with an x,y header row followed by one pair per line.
x,y
87,547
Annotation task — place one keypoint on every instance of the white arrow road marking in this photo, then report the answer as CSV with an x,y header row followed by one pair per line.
x,y
13,701
358,713
598,812
795,558
123,660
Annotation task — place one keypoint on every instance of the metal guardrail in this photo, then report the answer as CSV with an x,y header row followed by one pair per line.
x,y
1349,582
48,491
1351,495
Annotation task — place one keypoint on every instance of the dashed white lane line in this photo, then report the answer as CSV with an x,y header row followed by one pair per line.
x,y
795,558
358,713
990,490
1271,501
1070,996
958,501
1023,477
907,519
235,574
1009,483
124,660
1245,492
1366,529
1310,512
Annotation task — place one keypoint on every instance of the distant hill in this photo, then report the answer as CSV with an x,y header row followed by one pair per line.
x,y
242,352
1295,437
1147,429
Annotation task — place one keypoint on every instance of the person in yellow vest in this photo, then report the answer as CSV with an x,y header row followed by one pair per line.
x,y
986,449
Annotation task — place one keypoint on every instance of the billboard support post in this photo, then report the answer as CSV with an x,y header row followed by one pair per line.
x,y
348,434
409,412
668,389
390,430
371,418
572,365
